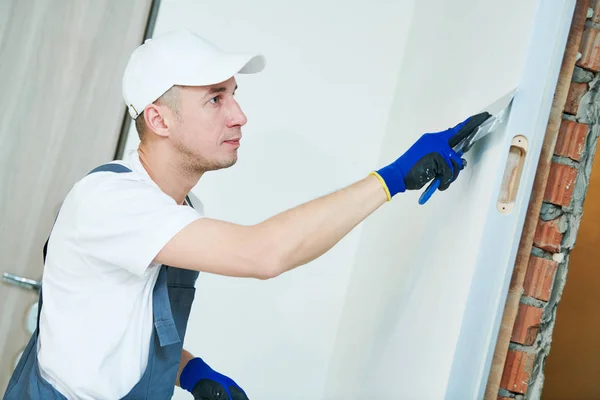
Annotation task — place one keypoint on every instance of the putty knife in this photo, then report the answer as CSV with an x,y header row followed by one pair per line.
x,y
499,111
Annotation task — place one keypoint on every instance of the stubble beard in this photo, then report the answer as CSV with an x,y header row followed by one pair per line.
x,y
192,164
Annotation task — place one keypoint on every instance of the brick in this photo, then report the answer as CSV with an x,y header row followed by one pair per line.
x,y
560,185
576,92
547,236
590,49
539,277
571,139
527,324
517,371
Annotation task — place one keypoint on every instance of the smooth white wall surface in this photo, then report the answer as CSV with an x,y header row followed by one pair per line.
x,y
348,87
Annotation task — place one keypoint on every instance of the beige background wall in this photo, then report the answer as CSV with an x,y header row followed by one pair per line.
x,y
60,99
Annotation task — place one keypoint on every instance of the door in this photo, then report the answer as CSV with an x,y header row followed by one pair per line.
x,y
62,112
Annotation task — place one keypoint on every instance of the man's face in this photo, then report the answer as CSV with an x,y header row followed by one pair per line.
x,y
208,130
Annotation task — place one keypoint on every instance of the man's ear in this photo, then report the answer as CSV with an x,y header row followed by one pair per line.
x,y
157,120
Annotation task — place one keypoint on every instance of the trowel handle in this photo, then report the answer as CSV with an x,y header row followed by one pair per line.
x,y
433,186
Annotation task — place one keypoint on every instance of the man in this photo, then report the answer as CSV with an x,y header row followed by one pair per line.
x,y
127,246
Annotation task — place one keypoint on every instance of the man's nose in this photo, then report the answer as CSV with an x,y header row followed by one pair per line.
x,y
237,116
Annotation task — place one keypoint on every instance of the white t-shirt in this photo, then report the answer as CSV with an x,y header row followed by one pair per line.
x,y
96,320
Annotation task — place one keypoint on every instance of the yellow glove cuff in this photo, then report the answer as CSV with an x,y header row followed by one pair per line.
x,y
387,191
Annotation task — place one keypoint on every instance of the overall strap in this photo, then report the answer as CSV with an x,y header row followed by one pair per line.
x,y
110,167
163,314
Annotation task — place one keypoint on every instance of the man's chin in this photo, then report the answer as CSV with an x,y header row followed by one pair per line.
x,y
223,164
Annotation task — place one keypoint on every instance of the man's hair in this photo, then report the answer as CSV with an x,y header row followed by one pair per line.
x,y
170,99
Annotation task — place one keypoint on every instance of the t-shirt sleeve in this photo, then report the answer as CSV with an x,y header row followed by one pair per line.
x,y
126,223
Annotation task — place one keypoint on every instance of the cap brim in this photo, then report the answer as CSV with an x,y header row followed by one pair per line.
x,y
224,68
254,64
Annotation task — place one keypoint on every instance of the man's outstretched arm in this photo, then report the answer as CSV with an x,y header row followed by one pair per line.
x,y
278,244
302,234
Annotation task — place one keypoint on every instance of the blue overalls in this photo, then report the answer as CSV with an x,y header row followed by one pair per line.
x,y
172,299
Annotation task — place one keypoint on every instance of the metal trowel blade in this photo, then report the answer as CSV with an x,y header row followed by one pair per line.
x,y
501,103
499,110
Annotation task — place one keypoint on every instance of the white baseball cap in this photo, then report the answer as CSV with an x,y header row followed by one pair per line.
x,y
179,58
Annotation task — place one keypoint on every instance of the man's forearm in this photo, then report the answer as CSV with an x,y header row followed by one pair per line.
x,y
306,232
185,357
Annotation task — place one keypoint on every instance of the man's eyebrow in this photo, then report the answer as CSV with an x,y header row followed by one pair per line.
x,y
220,89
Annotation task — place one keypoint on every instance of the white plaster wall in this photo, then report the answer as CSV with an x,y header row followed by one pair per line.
x,y
349,85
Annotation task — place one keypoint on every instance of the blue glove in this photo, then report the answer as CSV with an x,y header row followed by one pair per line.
x,y
206,384
429,158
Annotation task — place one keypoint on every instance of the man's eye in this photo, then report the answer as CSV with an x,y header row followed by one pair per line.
x,y
214,100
